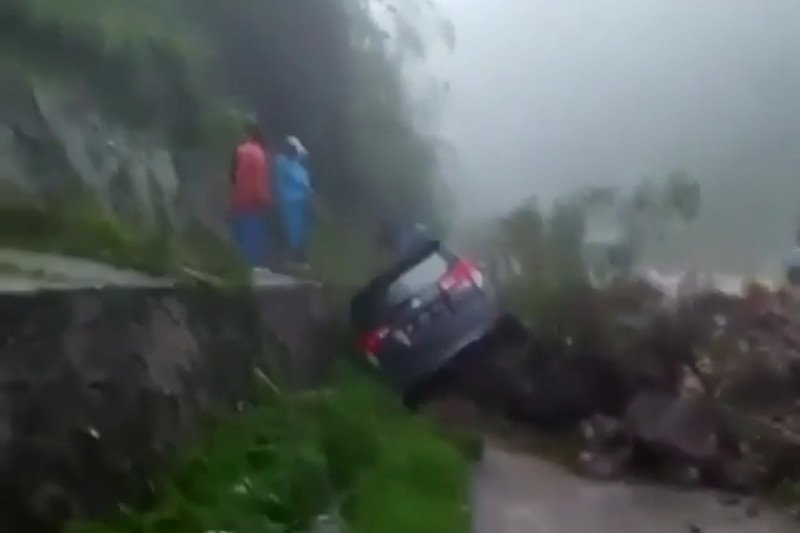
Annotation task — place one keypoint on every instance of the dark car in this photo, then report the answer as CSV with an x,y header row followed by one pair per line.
x,y
419,315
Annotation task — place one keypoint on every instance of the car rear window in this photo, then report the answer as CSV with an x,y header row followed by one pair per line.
x,y
396,285
417,278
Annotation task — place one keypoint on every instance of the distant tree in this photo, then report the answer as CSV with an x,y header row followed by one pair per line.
x,y
521,236
652,208
566,232
682,195
551,246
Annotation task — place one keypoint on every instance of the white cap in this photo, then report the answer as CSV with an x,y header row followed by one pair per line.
x,y
294,141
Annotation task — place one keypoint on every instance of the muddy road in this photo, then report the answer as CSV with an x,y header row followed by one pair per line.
x,y
518,493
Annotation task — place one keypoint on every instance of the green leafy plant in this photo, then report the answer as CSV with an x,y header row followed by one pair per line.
x,y
292,457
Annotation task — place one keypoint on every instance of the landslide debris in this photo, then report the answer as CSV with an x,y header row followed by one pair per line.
x,y
697,388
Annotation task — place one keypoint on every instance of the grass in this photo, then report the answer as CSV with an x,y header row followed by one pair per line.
x,y
77,224
119,26
289,459
140,60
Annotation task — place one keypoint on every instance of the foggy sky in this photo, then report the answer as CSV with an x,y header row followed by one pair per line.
x,y
549,95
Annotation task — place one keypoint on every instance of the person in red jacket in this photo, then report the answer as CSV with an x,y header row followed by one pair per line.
x,y
251,177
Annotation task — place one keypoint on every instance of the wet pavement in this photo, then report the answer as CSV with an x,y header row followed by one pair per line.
x,y
518,493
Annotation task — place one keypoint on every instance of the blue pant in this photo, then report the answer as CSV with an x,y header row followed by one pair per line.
x,y
294,218
249,232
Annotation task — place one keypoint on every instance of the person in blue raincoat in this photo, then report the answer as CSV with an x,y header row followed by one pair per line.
x,y
293,190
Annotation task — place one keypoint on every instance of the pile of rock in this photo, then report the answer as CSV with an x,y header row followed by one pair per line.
x,y
702,388
715,394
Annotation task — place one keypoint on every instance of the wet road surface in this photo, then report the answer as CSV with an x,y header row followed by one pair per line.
x,y
518,493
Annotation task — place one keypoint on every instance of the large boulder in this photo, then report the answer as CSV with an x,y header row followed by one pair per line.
x,y
684,427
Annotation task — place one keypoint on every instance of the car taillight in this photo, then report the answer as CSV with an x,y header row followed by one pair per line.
x,y
462,276
370,342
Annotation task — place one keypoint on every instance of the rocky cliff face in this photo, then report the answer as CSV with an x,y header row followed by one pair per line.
x,y
55,140
99,388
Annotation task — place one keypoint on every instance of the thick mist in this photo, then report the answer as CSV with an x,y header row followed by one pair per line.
x,y
547,96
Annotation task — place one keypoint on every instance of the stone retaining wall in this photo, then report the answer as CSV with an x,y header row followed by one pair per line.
x,y
98,388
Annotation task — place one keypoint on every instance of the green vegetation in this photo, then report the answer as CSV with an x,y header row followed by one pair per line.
x,y
79,226
138,60
185,73
551,245
179,72
342,92
118,26
182,70
290,458
76,224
